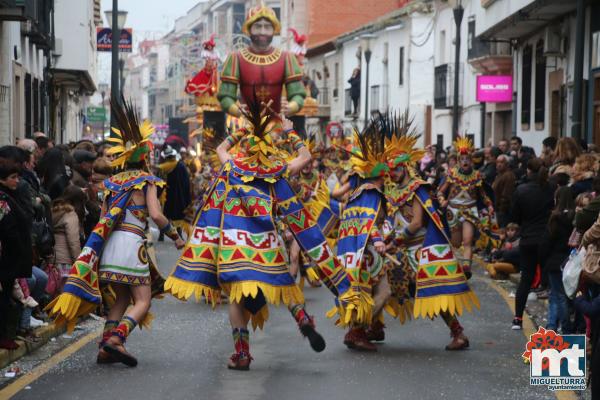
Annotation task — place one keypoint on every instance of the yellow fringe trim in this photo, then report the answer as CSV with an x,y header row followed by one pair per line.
x,y
257,320
453,304
146,323
353,309
183,290
403,312
67,308
273,294
312,274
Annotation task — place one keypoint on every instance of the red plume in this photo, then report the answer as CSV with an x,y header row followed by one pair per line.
x,y
299,39
210,43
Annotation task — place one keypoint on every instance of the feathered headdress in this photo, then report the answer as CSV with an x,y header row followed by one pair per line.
x,y
132,141
387,141
463,145
259,122
401,138
311,144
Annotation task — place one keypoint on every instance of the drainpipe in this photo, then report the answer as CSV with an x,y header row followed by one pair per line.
x,y
515,111
576,129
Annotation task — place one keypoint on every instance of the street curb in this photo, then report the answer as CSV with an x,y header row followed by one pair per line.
x,y
44,332
528,322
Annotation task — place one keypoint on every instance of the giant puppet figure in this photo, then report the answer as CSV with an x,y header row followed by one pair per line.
x,y
262,69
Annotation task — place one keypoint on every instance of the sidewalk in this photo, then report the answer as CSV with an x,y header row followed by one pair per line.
x,y
44,332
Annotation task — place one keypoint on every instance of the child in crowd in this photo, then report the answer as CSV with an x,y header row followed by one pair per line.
x,y
506,257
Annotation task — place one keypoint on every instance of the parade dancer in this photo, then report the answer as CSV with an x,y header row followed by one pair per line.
x,y
311,189
463,196
235,248
115,256
418,235
360,246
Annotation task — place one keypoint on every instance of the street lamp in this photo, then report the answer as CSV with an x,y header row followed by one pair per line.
x,y
103,88
458,12
365,41
115,17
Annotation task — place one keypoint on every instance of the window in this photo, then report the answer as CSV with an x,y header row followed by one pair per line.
x,y
239,15
36,105
440,141
526,88
596,50
347,103
442,47
374,98
336,80
540,85
401,67
28,112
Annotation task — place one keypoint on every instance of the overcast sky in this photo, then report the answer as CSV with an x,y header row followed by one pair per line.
x,y
148,18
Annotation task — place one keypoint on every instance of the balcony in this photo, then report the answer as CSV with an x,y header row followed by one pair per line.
x,y
324,109
491,58
443,89
12,10
347,103
36,20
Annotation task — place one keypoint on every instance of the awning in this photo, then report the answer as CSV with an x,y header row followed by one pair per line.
x,y
530,19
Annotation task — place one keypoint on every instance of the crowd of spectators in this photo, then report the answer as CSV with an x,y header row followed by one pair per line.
x,y
50,200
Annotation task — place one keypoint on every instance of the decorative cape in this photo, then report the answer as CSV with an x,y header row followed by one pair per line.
x,y
81,293
234,246
441,282
356,226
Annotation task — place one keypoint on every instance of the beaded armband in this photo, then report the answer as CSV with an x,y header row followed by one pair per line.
x,y
170,231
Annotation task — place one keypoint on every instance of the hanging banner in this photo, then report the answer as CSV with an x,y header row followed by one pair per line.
x,y
104,39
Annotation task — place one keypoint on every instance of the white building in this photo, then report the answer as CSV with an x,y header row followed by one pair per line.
x,y
400,69
544,36
74,67
25,45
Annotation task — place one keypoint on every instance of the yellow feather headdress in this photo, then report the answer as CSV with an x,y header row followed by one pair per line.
x,y
401,139
463,145
131,142
387,141
259,122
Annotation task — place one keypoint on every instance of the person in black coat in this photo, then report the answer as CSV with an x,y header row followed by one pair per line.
x,y
354,82
15,249
556,252
179,195
532,204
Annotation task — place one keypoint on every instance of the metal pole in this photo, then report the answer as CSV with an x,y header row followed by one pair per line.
x,y
368,60
576,129
482,133
458,16
114,72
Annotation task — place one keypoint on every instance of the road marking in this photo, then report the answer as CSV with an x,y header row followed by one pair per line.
x,y
528,330
15,387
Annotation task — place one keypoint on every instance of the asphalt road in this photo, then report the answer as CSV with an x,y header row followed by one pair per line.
x,y
184,356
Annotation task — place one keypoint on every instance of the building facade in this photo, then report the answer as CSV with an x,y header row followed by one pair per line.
x,y
26,42
74,67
